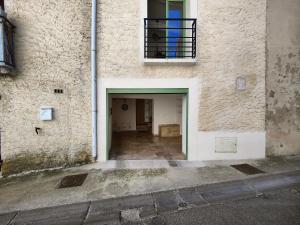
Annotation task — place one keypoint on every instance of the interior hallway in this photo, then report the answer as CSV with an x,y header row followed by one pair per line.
x,y
142,145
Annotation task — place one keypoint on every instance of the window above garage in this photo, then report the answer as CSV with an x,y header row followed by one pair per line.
x,y
169,31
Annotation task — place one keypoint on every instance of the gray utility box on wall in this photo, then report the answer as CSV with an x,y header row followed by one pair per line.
x,y
7,61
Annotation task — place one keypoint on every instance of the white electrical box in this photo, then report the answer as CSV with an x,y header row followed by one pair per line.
x,y
46,114
226,145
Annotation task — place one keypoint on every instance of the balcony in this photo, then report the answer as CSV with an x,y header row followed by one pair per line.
x,y
170,39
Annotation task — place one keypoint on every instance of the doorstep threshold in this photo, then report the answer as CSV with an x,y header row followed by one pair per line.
x,y
146,164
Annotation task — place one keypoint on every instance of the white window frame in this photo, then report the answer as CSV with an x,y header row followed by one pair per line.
x,y
193,13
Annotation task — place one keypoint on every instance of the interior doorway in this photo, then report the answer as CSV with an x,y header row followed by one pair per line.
x,y
147,126
143,114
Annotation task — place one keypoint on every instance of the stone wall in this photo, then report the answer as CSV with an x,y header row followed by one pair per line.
x,y
52,52
283,77
230,43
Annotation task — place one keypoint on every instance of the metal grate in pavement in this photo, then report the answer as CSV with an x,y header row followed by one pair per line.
x,y
247,169
172,163
72,181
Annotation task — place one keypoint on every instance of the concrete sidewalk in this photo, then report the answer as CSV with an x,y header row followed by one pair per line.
x,y
137,210
125,178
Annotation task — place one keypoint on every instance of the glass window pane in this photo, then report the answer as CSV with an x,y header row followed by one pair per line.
x,y
175,11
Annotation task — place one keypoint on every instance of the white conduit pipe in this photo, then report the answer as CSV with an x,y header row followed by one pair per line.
x,y
94,78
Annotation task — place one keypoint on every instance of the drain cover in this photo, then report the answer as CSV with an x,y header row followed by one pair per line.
x,y
247,169
172,164
72,181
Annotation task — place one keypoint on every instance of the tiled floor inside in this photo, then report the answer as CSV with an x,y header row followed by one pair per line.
x,y
142,145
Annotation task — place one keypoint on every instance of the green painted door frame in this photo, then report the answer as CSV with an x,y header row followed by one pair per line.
x,y
110,91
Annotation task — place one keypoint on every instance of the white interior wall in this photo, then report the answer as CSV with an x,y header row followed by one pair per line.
x,y
123,120
167,109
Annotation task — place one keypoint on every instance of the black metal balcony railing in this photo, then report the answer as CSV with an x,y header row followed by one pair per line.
x,y
170,38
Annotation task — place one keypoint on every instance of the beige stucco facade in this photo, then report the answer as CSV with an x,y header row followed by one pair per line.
x,y
231,37
53,52
231,43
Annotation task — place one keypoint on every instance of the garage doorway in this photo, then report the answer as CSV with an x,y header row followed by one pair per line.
x,y
147,124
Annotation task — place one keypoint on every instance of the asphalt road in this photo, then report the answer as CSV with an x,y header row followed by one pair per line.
x,y
276,208
266,200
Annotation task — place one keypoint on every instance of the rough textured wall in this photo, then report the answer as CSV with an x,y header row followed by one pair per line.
x,y
283,77
231,43
52,51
